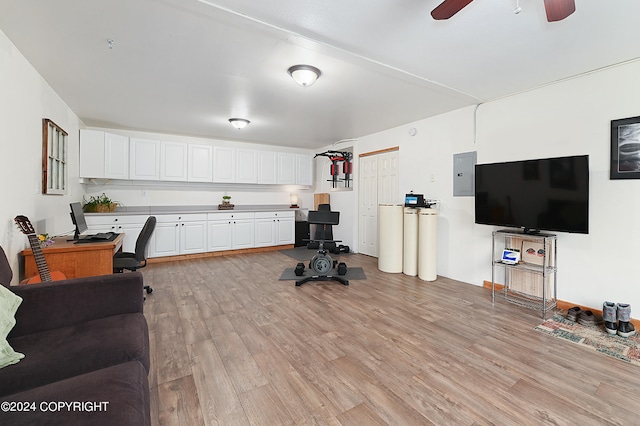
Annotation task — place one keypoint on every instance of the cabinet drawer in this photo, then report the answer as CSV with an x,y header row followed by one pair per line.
x,y
111,220
278,214
167,218
230,216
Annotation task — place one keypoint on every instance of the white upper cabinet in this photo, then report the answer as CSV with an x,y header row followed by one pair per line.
x,y
200,163
304,169
103,155
173,161
144,159
267,167
286,168
246,166
224,164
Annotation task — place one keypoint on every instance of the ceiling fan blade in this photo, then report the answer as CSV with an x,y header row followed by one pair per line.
x,y
557,10
448,8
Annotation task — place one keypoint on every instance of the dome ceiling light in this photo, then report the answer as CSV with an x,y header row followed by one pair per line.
x,y
304,75
239,123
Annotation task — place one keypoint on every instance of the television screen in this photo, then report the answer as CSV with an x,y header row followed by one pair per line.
x,y
546,194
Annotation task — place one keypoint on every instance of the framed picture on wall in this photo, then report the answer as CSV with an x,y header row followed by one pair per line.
x,y
625,148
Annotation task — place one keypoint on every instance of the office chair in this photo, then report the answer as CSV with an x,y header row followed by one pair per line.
x,y
137,260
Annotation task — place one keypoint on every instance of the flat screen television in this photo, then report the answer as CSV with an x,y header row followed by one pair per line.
x,y
549,194
77,217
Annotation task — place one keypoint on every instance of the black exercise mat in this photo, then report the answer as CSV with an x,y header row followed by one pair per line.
x,y
355,273
303,253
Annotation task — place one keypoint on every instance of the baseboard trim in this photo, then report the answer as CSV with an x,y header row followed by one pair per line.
x,y
566,305
218,253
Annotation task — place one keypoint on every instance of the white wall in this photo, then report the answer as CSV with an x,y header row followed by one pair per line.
x,y
568,118
26,99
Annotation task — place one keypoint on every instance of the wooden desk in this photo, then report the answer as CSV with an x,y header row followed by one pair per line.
x,y
75,260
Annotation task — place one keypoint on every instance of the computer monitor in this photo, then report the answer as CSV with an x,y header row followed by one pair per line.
x,y
77,217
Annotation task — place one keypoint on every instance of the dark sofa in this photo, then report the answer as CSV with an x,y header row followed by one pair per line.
x,y
86,347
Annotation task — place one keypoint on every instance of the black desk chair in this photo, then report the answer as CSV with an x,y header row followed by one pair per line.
x,y
322,264
137,260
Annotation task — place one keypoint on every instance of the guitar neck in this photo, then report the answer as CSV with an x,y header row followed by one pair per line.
x,y
38,256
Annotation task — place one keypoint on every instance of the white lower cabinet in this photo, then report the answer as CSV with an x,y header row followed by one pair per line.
x,y
274,228
131,225
179,234
231,231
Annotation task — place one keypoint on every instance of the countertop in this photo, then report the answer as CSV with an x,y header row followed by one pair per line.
x,y
147,210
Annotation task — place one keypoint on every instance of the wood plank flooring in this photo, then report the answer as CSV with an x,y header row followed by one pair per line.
x,y
232,345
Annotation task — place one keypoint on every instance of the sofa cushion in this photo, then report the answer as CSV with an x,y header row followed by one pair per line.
x,y
9,303
69,351
117,395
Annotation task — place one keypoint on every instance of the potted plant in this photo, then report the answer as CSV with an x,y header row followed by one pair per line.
x,y
99,203
225,199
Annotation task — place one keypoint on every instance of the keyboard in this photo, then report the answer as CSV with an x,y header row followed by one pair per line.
x,y
96,238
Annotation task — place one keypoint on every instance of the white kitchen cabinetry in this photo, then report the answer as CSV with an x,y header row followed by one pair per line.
x,y
200,163
286,168
144,159
267,167
224,164
173,161
103,155
274,228
304,169
179,234
246,166
240,227
131,225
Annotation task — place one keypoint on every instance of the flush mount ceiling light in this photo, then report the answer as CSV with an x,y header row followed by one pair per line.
x,y
239,123
304,75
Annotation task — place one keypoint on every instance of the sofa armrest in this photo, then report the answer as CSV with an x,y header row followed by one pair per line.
x,y
47,306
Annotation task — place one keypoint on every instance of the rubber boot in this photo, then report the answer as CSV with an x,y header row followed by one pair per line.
x,y
625,327
609,315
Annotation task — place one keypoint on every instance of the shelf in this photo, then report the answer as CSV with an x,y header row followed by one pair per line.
x,y
532,282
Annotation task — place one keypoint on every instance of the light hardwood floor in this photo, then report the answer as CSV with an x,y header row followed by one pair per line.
x,y
232,345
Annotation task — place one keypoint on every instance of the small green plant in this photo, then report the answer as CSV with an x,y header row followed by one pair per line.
x,y
99,203
226,198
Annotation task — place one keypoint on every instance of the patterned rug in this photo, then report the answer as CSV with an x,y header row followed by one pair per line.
x,y
596,338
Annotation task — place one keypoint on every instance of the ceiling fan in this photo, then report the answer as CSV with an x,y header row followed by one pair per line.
x,y
556,10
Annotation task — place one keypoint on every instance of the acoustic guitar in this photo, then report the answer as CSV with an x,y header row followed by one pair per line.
x,y
43,269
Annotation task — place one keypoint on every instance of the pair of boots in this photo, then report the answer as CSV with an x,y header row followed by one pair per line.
x,y
620,312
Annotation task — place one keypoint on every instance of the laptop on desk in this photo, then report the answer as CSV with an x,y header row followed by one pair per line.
x,y
97,238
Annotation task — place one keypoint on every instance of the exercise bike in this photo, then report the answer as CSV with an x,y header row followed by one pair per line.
x,y
322,264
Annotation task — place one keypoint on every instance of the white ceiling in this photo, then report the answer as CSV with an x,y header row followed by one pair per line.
x,y
187,66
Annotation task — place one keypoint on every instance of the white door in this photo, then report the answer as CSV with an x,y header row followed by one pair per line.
x,y
219,235
267,167
165,240
144,159
173,161
200,163
246,166
242,233
265,232
285,230
224,164
193,237
116,156
378,184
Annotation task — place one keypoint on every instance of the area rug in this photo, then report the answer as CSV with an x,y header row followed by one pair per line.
x,y
596,338
303,253
355,273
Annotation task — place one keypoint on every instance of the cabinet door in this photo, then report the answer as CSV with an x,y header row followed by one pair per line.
x,y
285,230
304,169
193,237
173,161
219,235
224,164
242,234
91,153
246,166
265,232
267,166
116,156
165,240
144,159
286,168
200,163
